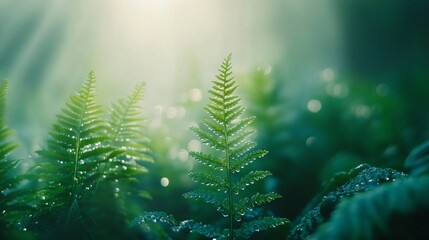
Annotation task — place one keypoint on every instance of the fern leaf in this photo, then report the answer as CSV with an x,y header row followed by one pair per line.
x,y
68,167
208,196
209,180
396,210
209,139
227,133
247,159
244,205
242,149
206,230
247,229
250,179
240,125
126,136
209,160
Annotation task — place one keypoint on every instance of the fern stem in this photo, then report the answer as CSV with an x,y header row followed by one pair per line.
x,y
230,196
228,170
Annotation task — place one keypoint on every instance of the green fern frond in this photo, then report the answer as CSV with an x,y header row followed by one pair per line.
x,y
396,210
209,160
228,136
209,196
126,135
261,224
68,168
209,179
206,230
250,179
227,133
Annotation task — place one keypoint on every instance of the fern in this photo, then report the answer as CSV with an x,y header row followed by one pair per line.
x,y
126,134
118,187
9,204
68,171
396,210
88,167
227,133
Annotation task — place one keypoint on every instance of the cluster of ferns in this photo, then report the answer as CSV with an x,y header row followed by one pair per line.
x,y
79,183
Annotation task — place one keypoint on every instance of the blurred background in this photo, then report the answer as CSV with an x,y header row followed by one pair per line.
x,y
333,83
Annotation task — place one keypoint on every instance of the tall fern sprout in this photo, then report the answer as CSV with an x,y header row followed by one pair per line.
x,y
227,134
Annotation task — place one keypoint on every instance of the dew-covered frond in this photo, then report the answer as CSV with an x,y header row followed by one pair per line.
x,y
209,160
68,165
247,159
250,179
227,132
127,137
240,137
233,113
209,179
258,199
206,230
214,127
238,151
209,139
242,123
209,196
161,217
247,229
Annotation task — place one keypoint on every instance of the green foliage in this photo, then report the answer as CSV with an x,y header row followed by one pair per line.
x,y
393,211
418,160
9,195
227,134
83,171
358,180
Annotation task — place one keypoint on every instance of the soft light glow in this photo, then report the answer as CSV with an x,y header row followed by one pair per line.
x,y
314,105
339,90
310,141
165,182
195,95
327,74
194,145
362,111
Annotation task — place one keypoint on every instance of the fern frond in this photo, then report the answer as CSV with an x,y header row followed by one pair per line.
x,y
209,196
209,180
227,133
247,229
126,136
246,204
247,159
209,139
206,230
396,210
68,168
250,179
209,160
